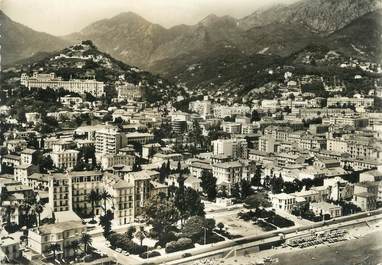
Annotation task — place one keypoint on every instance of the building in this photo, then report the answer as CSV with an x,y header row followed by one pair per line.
x,y
229,173
234,148
345,101
197,167
142,187
365,200
108,141
80,86
81,184
122,193
110,160
283,201
60,192
62,233
66,159
129,91
9,250
339,189
324,208
136,137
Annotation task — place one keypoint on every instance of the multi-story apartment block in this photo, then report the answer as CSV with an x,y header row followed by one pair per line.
x,y
60,192
229,173
108,141
81,184
65,159
234,148
122,193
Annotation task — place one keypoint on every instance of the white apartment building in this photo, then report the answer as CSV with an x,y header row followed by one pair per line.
x,y
108,141
122,192
234,148
65,159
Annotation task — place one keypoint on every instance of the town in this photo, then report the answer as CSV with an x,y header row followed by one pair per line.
x,y
200,138
101,181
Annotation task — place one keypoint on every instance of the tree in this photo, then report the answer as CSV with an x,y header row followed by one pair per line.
x,y
45,163
38,209
105,222
86,240
141,234
208,184
75,245
94,197
105,196
220,226
161,213
255,116
130,232
163,173
180,201
194,204
235,191
246,189
256,180
54,248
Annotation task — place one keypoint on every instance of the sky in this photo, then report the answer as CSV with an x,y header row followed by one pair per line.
x,y
61,17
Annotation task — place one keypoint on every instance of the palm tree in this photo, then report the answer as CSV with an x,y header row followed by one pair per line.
x,y
86,240
105,196
38,208
141,234
94,197
53,248
75,245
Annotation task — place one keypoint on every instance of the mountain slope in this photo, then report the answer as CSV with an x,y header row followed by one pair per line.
x,y
361,38
20,42
319,16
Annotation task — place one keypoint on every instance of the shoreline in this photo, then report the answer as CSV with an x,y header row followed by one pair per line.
x,y
368,234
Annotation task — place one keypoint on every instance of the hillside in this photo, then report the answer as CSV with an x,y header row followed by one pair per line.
x,y
84,60
20,42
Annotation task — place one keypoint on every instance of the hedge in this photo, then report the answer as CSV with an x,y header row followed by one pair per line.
x,y
121,241
181,244
150,254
